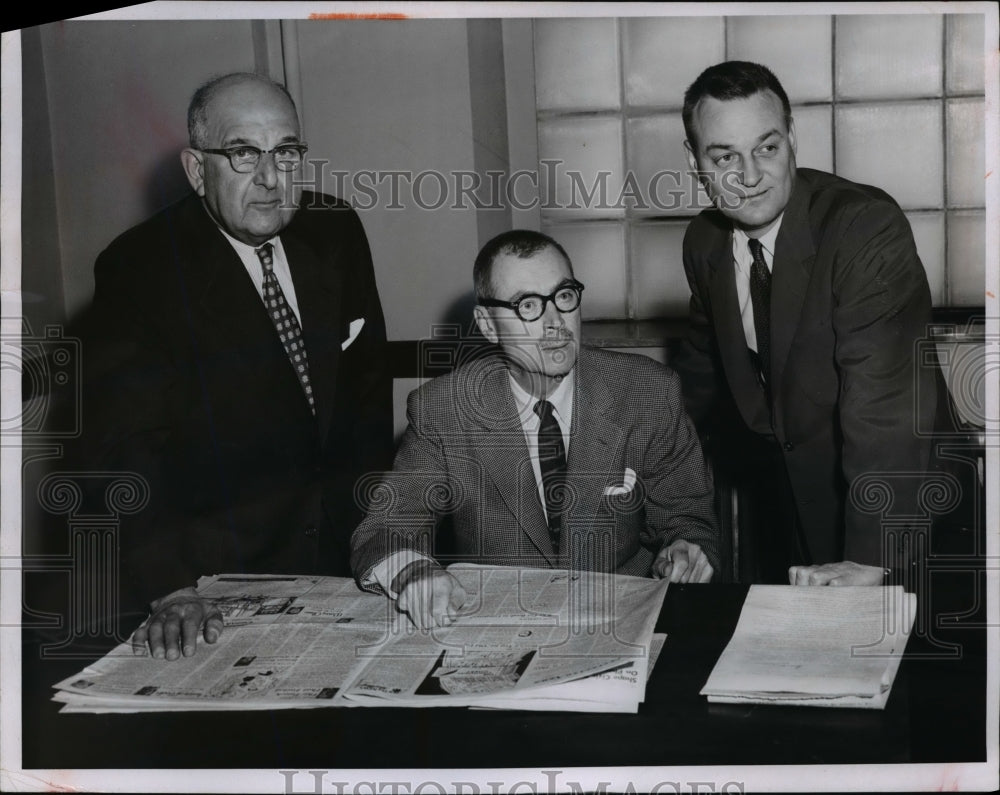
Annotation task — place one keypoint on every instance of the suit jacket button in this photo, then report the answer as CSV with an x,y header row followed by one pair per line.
x,y
788,447
310,532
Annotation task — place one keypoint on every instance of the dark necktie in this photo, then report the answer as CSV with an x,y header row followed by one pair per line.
x,y
760,297
552,463
285,322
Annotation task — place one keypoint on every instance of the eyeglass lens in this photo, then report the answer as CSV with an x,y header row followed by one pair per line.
x,y
532,307
246,158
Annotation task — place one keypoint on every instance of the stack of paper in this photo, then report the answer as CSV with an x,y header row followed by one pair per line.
x,y
822,647
525,639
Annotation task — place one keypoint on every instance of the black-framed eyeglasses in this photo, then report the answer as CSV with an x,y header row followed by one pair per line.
x,y
530,307
244,158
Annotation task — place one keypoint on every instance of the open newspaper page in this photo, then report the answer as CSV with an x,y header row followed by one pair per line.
x,y
619,690
518,630
815,646
289,642
305,642
274,667
275,599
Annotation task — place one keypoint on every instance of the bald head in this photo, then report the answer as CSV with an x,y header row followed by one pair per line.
x,y
237,87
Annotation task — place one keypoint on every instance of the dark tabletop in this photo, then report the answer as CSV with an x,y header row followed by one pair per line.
x,y
936,713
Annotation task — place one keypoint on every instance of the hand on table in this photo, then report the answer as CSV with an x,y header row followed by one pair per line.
x,y
173,627
682,561
846,572
428,594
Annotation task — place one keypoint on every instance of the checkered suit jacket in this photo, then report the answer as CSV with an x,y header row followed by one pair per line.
x,y
464,454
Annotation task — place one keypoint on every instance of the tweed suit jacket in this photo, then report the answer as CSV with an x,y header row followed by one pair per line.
x,y
849,302
188,386
464,454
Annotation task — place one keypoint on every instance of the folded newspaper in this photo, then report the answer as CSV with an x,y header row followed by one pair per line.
x,y
817,647
525,639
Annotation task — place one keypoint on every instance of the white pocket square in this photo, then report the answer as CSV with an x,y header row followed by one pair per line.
x,y
627,485
352,333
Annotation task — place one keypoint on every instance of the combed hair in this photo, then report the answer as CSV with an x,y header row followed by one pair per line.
x,y
521,243
731,80
197,117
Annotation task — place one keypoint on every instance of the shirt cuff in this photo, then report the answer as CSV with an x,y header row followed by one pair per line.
x,y
385,571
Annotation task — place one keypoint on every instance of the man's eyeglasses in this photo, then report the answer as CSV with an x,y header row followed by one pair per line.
x,y
244,159
532,306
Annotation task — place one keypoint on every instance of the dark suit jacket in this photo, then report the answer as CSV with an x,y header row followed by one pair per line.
x,y
464,454
849,303
188,385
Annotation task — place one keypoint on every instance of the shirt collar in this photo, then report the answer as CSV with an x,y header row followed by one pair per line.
x,y
561,399
243,249
741,244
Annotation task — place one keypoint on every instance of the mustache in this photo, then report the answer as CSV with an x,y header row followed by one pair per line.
x,y
558,336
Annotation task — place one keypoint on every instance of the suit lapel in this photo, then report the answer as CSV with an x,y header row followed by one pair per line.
x,y
232,306
234,309
504,452
317,291
794,254
594,444
732,339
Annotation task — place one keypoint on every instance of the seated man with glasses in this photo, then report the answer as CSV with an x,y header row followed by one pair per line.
x,y
234,367
544,453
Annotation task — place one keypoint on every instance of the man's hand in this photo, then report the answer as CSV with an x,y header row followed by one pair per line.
x,y
173,627
846,572
682,561
428,594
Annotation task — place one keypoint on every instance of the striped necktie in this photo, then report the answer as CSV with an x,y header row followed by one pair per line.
x,y
552,463
760,297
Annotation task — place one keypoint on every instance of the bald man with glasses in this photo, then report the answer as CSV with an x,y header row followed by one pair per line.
x,y
543,453
235,363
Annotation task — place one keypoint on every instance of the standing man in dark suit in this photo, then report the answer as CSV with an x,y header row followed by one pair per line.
x,y
807,301
236,363
544,454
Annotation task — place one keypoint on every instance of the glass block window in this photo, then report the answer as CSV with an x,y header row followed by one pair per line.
x,y
895,101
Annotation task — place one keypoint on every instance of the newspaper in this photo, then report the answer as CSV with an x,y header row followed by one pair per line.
x,y
818,647
620,690
305,642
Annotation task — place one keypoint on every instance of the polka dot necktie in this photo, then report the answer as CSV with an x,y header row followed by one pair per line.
x,y
285,322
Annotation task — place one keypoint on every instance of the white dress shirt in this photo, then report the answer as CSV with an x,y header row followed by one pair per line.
x,y
561,399
742,260
248,256
562,409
